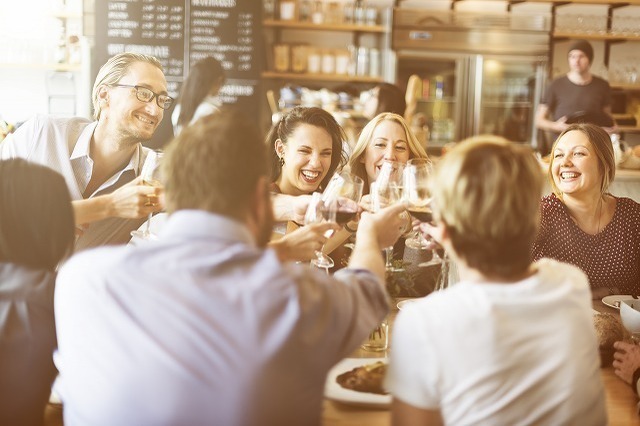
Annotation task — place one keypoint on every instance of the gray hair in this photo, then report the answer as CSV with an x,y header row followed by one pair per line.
x,y
113,70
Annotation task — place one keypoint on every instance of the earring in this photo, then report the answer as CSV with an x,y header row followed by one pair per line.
x,y
281,161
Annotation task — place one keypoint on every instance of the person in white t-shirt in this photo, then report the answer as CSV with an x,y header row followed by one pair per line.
x,y
513,343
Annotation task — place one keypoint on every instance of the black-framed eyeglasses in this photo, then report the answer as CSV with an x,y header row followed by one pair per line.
x,y
146,95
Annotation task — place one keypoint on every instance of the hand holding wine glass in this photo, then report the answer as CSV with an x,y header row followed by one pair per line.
x,y
319,211
151,176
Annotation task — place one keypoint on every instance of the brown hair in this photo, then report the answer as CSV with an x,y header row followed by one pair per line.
x,y
215,164
315,117
37,227
487,193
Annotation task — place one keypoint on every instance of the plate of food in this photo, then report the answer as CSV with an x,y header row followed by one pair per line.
x,y
358,381
614,300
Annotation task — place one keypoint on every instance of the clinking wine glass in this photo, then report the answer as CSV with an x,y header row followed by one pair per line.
x,y
346,190
151,176
386,190
416,195
384,194
319,211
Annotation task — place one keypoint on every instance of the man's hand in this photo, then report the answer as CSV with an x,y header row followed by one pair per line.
x,y
560,125
626,360
387,224
135,201
301,244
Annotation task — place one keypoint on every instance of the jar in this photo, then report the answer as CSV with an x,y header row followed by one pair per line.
x,y
287,10
313,61
374,62
317,16
281,57
343,58
328,62
299,58
362,62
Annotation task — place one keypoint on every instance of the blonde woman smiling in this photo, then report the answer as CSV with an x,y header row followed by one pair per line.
x,y
385,137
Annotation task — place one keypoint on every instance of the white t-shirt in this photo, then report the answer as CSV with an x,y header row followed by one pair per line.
x,y
502,354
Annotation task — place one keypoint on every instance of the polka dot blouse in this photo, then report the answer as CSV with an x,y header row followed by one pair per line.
x,y
610,258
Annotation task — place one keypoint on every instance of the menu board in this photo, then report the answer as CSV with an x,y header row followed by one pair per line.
x,y
181,32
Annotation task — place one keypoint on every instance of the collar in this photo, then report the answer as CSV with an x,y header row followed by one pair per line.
x,y
83,144
200,224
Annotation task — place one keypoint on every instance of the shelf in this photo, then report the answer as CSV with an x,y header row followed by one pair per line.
x,y
592,36
623,86
49,66
320,77
432,101
629,129
298,25
67,15
506,104
622,116
609,2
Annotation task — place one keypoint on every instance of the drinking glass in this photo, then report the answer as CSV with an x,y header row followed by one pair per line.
x,y
319,211
378,340
151,176
384,194
346,190
415,193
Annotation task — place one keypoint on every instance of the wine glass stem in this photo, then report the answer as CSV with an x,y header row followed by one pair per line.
x,y
388,252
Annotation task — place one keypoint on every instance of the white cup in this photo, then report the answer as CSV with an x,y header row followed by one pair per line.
x,y
313,63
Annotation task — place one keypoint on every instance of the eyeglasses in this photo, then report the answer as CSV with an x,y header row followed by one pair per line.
x,y
146,95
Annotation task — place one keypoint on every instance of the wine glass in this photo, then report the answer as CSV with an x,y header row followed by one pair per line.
x,y
384,194
319,211
151,176
346,190
384,191
416,195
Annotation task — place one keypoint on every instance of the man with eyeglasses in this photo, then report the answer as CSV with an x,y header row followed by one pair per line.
x,y
101,160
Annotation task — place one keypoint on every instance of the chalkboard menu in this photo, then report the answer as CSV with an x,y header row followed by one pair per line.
x,y
181,32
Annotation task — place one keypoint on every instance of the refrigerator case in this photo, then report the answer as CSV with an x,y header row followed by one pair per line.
x,y
474,79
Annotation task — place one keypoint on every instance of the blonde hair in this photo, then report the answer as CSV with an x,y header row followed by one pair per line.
x,y
603,149
487,193
113,70
357,167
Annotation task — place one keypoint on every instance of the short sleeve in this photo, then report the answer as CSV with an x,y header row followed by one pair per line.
x,y
413,376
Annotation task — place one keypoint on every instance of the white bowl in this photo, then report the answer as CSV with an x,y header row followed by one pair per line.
x,y
630,314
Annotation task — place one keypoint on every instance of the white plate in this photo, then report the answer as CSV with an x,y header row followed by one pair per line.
x,y
401,304
333,391
614,300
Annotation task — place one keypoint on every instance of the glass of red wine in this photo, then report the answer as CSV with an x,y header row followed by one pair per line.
x,y
417,198
345,190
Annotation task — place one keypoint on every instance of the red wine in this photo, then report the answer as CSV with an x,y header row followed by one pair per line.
x,y
423,214
342,216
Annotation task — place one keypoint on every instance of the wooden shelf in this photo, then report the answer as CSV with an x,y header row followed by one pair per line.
x,y
630,87
609,2
593,36
299,25
67,15
48,66
629,129
320,77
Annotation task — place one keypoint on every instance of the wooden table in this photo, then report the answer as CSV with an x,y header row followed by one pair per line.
x,y
621,401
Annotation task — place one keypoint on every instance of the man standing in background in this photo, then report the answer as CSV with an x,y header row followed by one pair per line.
x,y
578,96
101,159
